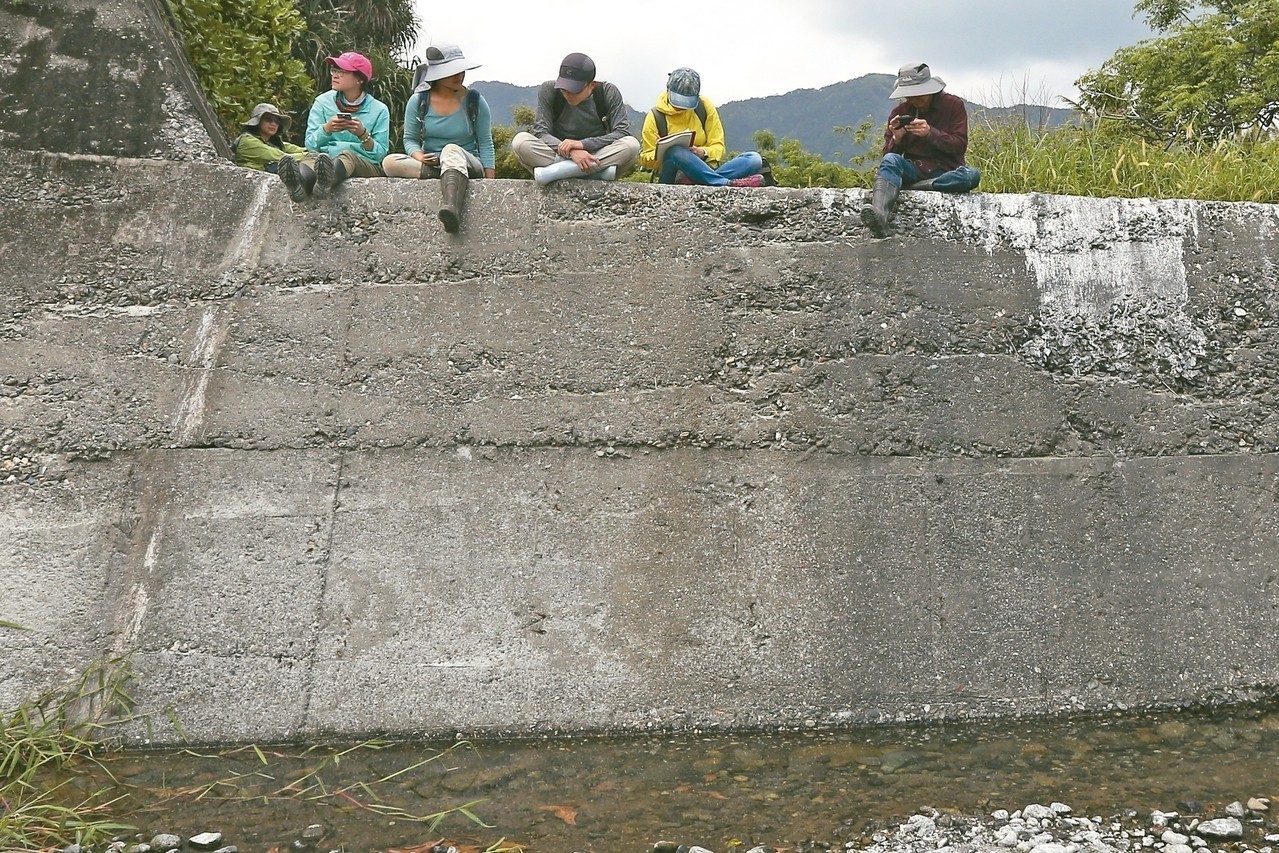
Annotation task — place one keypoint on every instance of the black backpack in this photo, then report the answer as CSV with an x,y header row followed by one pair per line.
x,y
601,107
660,118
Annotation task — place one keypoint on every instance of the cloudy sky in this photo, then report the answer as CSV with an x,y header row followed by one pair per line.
x,y
989,51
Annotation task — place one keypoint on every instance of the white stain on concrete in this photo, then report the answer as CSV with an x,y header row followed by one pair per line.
x,y
190,412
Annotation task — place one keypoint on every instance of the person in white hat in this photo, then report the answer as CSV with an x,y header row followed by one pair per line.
x,y
924,145
448,132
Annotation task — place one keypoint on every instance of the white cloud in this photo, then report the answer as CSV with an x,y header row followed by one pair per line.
x,y
754,48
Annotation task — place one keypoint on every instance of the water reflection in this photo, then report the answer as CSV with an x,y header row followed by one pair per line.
x,y
714,790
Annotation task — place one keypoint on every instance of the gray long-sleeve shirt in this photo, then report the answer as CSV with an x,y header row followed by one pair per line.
x,y
581,122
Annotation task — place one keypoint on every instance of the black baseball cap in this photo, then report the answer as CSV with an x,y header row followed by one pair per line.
x,y
576,71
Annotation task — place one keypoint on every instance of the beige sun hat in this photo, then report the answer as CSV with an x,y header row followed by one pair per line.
x,y
269,110
915,79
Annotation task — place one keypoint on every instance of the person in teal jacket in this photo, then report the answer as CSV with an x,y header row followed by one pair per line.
x,y
448,132
261,146
348,132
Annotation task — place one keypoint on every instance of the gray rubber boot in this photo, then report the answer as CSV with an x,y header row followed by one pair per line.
x,y
877,214
452,197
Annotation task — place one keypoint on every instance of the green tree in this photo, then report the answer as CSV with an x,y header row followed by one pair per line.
x,y
507,166
241,52
793,166
1212,73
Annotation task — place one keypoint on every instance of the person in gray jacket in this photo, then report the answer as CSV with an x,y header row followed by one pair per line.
x,y
582,129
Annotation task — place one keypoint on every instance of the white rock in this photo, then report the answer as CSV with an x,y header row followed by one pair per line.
x,y
1038,812
1061,808
1053,847
1222,827
1179,848
1170,837
1259,804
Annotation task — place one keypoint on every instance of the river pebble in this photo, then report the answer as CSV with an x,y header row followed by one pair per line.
x,y
1034,828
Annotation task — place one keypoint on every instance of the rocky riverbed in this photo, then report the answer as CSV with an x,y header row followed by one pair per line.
x,y
1245,827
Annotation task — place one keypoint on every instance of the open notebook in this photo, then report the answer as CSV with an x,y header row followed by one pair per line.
x,y
684,138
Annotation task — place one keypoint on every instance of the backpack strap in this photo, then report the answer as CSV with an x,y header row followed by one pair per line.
x,y
558,103
660,118
472,106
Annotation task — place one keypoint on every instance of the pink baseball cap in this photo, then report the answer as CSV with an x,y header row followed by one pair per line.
x,y
352,61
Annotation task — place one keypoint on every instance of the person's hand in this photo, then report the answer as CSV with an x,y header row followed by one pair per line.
x,y
700,152
426,157
919,127
355,126
568,146
585,160
338,122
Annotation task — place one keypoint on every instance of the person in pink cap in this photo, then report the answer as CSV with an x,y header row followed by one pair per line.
x,y
348,132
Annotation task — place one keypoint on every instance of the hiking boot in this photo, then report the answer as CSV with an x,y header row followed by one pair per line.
x,y
748,181
877,212
291,177
767,174
323,176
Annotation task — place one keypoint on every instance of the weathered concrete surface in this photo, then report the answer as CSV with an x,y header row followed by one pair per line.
x,y
102,77
621,456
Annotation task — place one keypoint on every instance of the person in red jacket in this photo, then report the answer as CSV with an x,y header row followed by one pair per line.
x,y
924,145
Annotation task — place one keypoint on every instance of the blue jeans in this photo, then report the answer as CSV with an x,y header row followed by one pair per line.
x,y
700,172
900,172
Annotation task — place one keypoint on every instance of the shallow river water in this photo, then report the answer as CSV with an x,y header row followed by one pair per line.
x,y
717,790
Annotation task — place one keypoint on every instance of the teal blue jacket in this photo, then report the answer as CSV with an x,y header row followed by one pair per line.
x,y
372,113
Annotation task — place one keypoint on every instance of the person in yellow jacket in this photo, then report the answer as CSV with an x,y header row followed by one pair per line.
x,y
681,108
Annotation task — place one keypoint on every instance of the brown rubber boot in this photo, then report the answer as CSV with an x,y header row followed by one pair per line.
x,y
452,196
878,213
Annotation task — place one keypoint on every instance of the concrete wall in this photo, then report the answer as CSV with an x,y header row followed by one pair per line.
x,y
622,456
101,77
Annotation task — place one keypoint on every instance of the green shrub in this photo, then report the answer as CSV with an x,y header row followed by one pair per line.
x,y
241,51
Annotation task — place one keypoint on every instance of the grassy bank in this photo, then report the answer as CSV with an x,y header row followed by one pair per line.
x,y
47,748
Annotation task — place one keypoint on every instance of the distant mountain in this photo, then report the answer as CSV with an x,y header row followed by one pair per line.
x,y
809,115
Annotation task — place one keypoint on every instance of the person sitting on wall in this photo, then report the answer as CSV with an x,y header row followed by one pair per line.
x,y
581,129
348,132
682,107
924,145
448,132
261,146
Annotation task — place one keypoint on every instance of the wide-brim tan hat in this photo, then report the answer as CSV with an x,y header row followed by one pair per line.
x,y
915,79
269,110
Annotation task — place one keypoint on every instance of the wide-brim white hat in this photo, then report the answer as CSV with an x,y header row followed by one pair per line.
x,y
445,60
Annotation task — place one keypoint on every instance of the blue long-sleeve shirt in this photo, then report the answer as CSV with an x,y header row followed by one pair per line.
x,y
372,113
429,132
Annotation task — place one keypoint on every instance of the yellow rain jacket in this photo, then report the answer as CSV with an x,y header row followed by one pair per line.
x,y
710,137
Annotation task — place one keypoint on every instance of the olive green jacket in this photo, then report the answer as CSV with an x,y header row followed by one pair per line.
x,y
252,152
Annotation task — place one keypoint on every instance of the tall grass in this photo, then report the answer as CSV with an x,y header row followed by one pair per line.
x,y
1095,160
44,748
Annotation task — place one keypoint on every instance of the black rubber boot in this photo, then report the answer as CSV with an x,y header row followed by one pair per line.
x,y
323,176
291,176
878,213
452,196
